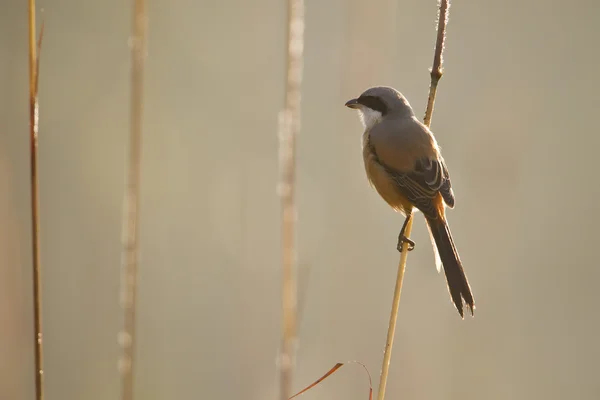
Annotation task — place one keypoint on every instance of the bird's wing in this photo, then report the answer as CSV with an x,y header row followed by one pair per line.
x,y
446,188
409,154
420,187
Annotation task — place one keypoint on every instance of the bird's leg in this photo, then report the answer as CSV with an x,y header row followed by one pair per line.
x,y
403,239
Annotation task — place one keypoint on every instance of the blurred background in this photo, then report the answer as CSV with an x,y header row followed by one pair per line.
x,y
515,116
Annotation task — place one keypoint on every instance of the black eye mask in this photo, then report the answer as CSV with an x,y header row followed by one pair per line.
x,y
374,103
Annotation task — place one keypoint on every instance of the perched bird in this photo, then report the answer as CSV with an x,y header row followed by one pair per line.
x,y
404,164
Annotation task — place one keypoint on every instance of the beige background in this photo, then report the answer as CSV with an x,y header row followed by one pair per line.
x,y
516,116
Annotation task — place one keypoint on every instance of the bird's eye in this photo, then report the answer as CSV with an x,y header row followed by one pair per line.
x,y
374,103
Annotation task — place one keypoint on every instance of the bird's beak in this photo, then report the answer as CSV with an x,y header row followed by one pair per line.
x,y
352,103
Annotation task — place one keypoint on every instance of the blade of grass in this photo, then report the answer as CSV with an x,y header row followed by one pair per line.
x,y
331,372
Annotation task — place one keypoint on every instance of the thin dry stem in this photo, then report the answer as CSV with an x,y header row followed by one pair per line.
x,y
436,75
289,128
35,216
437,69
131,203
387,355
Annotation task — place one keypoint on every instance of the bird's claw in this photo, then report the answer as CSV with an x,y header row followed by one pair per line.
x,y
403,239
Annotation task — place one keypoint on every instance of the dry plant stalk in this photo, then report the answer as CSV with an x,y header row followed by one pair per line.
x,y
131,202
288,129
34,66
436,75
387,355
438,61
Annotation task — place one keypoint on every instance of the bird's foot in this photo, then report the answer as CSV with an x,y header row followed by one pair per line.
x,y
403,239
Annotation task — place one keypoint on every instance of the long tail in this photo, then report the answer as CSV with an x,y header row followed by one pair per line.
x,y
458,285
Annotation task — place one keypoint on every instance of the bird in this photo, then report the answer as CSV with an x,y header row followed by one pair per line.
x,y
404,164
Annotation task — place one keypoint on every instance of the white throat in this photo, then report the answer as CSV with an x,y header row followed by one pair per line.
x,y
369,117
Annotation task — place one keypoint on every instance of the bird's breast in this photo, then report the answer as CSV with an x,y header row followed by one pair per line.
x,y
382,181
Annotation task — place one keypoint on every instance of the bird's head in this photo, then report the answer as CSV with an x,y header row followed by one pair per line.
x,y
378,102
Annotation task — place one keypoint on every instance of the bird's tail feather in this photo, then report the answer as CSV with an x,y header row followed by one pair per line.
x,y
436,253
458,285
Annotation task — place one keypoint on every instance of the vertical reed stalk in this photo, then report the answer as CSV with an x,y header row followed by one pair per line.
x,y
130,251
436,75
35,214
288,130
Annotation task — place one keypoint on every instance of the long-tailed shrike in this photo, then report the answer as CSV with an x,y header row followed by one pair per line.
x,y
404,164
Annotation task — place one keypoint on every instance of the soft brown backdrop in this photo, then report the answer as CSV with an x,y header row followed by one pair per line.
x,y
516,116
